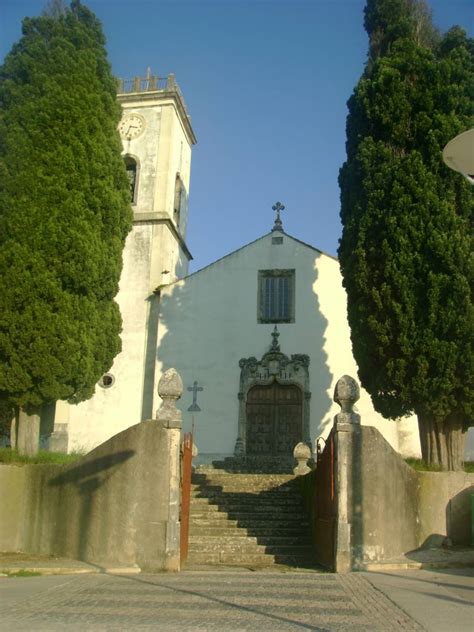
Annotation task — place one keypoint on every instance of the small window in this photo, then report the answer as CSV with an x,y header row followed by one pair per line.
x,y
276,296
179,199
132,173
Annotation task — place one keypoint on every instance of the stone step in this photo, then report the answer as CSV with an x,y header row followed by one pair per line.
x,y
200,504
250,499
248,520
247,545
231,559
254,464
200,540
272,480
206,527
257,479
200,476
269,494
244,486
244,491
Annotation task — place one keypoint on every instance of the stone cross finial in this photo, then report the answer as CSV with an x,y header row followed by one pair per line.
x,y
278,224
170,389
346,394
275,335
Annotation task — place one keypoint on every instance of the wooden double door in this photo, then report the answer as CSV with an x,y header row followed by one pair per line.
x,y
274,419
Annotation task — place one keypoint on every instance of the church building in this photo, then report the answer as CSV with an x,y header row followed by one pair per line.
x,y
260,337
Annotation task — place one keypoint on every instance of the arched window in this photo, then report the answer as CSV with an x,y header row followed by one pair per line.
x,y
179,199
132,173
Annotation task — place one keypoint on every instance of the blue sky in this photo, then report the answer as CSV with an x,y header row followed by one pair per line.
x,y
266,83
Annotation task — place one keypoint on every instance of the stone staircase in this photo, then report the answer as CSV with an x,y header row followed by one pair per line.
x,y
247,519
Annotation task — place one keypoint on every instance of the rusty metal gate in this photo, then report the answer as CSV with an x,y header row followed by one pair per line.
x,y
186,469
325,507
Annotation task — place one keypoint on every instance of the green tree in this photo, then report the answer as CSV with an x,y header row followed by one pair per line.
x,y
64,211
406,246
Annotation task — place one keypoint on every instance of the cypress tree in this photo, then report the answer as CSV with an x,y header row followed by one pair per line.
x,y
406,246
64,211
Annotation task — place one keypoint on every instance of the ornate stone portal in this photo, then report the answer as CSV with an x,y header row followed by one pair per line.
x,y
273,403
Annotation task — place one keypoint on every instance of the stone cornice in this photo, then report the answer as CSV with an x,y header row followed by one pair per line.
x,y
163,218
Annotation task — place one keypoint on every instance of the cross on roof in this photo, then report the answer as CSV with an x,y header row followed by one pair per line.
x,y
278,206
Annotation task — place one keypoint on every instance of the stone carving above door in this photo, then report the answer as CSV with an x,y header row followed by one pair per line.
x,y
274,366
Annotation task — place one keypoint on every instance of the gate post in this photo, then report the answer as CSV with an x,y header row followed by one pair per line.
x,y
170,389
187,459
346,393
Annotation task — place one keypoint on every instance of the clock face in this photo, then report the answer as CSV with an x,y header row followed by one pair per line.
x,y
131,126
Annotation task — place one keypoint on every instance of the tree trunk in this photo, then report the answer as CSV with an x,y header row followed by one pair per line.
x,y
442,443
27,433
14,431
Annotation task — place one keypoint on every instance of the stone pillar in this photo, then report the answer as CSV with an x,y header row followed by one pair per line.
x,y
27,433
239,449
346,422
59,439
170,389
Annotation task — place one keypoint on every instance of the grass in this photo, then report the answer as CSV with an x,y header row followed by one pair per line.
x,y
21,573
421,466
7,455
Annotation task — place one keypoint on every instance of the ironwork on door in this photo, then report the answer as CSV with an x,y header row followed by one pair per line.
x,y
274,419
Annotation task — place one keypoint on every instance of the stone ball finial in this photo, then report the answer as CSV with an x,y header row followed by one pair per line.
x,y
302,454
170,389
170,385
346,393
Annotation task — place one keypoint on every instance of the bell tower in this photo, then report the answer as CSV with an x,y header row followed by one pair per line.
x,y
157,140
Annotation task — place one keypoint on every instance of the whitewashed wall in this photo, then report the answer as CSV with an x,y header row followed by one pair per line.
x,y
152,256
208,322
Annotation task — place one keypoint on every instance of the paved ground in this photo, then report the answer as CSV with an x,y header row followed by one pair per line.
x,y
441,600
200,600
203,598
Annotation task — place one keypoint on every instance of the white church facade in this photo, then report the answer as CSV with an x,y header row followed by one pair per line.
x,y
263,332
259,337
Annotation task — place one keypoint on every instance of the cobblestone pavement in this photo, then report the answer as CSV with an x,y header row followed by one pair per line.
x,y
195,600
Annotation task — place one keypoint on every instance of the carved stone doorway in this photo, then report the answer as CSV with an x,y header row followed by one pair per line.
x,y
273,403
274,419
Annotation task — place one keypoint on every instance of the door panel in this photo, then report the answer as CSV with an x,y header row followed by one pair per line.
x,y
274,419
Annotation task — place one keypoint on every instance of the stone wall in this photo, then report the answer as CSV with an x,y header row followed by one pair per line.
x,y
368,506
110,508
393,509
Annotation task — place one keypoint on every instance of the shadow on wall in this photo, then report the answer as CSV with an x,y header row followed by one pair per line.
x,y
86,479
459,527
153,301
192,344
